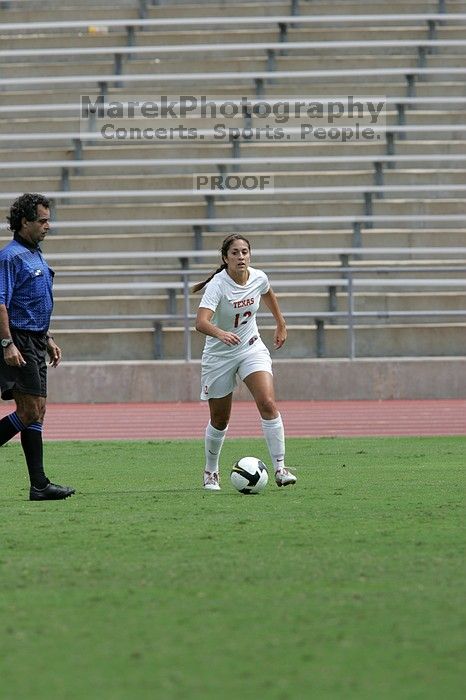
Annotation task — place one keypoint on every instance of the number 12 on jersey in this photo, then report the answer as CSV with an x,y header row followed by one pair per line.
x,y
244,315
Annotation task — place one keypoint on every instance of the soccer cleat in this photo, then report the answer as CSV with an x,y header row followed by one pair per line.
x,y
211,481
283,477
52,492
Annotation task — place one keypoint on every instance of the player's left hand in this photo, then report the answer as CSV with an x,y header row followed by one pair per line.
x,y
279,337
54,352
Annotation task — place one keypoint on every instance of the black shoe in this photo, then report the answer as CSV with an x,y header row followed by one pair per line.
x,y
52,492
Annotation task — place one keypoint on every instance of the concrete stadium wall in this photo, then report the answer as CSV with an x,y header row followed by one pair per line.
x,y
306,380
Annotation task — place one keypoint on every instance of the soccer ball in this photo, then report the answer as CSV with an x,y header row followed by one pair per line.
x,y
249,475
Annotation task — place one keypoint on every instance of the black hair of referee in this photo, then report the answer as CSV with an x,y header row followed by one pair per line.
x,y
26,302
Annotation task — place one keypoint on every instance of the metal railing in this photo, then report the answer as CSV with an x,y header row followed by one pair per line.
x,y
118,52
258,77
395,102
190,22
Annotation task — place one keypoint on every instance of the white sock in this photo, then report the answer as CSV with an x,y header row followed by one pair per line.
x,y
275,438
213,445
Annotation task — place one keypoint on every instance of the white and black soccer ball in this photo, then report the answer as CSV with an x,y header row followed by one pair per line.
x,y
249,475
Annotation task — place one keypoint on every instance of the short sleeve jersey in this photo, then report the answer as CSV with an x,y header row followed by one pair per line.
x,y
235,307
26,287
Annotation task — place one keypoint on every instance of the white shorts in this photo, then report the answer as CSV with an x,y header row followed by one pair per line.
x,y
218,375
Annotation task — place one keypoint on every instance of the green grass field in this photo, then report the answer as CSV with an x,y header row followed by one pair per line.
x,y
349,585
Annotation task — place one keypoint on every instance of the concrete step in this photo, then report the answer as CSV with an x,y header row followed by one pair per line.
x,y
216,9
420,207
376,32
120,242
61,124
73,212
324,238
360,7
249,149
443,59
447,88
175,210
37,154
26,184
336,32
430,146
67,14
419,176
306,8
302,178
326,207
434,117
91,183
407,301
252,60
67,66
339,58
125,212
66,39
390,88
170,149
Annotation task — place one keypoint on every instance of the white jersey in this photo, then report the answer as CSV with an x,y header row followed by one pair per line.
x,y
235,307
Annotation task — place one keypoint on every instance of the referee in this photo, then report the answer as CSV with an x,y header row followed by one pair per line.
x,y
26,303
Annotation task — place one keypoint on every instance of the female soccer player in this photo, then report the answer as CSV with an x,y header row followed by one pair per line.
x,y
227,316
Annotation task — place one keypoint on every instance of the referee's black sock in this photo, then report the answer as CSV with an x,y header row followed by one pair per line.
x,y
9,426
31,441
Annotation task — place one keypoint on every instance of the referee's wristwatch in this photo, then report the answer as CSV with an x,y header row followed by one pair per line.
x,y
6,342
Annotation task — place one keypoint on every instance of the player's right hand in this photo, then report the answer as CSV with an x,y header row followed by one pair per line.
x,y
229,338
13,356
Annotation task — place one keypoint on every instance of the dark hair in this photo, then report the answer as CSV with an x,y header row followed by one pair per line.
x,y
227,242
25,207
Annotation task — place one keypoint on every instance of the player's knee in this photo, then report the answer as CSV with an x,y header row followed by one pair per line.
x,y
220,424
267,408
33,412
28,415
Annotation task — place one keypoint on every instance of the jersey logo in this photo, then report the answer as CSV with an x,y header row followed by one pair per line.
x,y
243,302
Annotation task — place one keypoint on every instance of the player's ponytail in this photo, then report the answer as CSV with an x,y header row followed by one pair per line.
x,y
200,285
224,252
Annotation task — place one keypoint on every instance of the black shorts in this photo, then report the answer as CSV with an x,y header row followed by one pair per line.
x,y
31,378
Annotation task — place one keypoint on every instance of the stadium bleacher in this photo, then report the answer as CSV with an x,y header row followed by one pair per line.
x,y
398,193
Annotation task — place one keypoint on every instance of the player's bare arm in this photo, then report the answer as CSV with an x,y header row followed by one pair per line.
x,y
204,325
271,302
53,351
11,354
